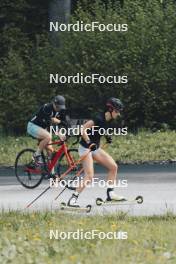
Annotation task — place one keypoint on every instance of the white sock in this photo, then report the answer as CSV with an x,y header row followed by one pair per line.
x,y
76,193
111,192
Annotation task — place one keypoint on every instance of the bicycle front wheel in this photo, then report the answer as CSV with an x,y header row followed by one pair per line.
x,y
26,171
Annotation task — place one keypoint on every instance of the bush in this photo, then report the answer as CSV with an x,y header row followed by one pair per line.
x,y
146,53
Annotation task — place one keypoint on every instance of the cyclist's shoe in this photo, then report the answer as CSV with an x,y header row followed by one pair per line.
x,y
38,159
73,201
112,196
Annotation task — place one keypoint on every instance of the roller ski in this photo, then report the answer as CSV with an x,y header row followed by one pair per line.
x,y
114,199
72,205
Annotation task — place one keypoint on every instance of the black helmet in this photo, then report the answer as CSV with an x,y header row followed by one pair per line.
x,y
59,100
114,103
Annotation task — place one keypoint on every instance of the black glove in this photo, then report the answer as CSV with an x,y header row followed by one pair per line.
x,y
92,146
109,139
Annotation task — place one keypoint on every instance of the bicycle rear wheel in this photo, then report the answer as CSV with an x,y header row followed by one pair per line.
x,y
75,174
26,171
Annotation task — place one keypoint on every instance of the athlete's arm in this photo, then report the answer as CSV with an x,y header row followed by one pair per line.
x,y
61,118
46,112
86,127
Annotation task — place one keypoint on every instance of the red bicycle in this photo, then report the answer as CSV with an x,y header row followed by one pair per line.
x,y
64,161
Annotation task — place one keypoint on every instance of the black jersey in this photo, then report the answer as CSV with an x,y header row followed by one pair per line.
x,y
95,135
43,117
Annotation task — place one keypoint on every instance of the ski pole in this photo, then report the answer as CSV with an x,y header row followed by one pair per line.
x,y
38,196
60,178
77,175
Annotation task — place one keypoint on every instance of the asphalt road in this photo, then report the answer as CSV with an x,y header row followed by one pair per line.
x,y
156,183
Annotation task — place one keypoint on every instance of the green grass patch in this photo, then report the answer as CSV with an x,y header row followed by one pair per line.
x,y
25,239
145,146
10,146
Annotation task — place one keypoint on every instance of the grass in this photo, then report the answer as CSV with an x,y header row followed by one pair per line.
x,y
145,146
25,239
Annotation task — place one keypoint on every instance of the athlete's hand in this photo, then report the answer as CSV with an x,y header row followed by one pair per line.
x,y
92,146
55,120
109,139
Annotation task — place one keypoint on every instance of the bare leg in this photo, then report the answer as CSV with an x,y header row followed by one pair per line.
x,y
103,158
89,172
107,161
45,139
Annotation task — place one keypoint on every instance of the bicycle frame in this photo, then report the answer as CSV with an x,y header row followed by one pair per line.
x,y
50,164
64,174
61,150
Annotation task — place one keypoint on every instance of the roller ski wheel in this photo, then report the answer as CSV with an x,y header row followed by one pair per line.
x,y
99,201
66,207
138,199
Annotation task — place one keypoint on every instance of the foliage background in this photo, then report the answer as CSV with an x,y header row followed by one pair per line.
x,y
146,53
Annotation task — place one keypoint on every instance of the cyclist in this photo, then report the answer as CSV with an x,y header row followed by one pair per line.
x,y
50,113
103,120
